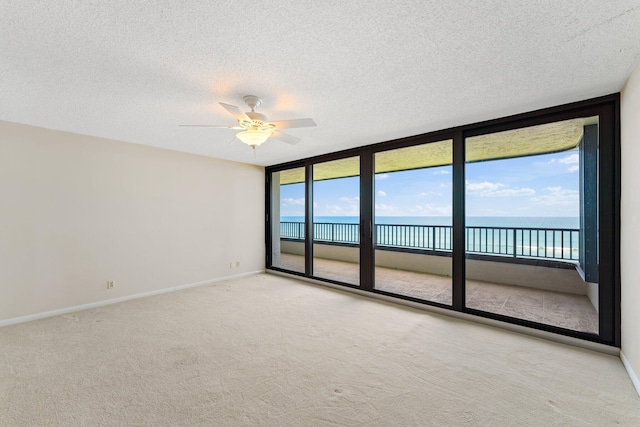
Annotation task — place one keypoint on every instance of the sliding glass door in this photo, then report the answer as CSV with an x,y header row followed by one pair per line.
x,y
514,219
336,220
532,223
288,219
413,221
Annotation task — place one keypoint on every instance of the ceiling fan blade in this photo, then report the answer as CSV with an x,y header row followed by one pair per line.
x,y
235,112
212,126
295,123
284,137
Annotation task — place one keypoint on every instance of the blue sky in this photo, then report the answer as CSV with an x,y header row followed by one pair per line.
x,y
540,186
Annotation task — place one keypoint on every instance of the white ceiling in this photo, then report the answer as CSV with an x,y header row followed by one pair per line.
x,y
365,71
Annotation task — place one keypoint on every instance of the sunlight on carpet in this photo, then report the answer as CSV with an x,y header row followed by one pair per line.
x,y
274,351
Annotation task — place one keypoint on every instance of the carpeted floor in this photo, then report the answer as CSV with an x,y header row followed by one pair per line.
x,y
561,309
273,351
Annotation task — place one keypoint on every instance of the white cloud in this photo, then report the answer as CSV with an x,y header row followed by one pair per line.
x,y
382,209
496,189
491,212
331,210
429,193
338,210
441,172
510,192
381,193
350,200
558,196
431,210
573,160
479,188
346,206
381,176
570,159
289,201
334,208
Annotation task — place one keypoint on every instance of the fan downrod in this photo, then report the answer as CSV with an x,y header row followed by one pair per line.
x,y
252,101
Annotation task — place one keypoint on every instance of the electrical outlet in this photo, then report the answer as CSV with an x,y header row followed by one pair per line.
x,y
230,264
110,284
237,264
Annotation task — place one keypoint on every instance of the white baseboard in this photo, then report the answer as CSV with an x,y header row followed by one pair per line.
x,y
67,310
630,371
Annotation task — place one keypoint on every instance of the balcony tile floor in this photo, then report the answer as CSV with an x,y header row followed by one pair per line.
x,y
561,309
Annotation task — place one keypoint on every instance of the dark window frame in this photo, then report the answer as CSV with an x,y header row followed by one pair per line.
x,y
606,107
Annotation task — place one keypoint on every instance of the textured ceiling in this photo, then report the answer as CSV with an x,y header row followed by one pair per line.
x,y
365,71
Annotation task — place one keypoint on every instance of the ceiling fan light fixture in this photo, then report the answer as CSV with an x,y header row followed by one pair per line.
x,y
253,138
255,128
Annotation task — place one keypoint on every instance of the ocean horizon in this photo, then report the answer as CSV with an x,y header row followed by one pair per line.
x,y
472,221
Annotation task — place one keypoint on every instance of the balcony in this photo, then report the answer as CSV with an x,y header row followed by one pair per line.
x,y
518,242
527,273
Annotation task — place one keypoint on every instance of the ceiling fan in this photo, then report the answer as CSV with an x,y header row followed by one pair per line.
x,y
255,127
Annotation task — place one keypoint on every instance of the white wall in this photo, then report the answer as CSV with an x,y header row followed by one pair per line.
x,y
630,224
76,211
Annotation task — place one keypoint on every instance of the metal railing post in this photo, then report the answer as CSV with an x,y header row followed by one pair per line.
x,y
431,238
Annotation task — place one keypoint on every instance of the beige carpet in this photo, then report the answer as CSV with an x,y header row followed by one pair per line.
x,y
561,309
272,351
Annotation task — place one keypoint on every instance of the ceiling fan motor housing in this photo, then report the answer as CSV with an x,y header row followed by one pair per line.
x,y
252,101
258,120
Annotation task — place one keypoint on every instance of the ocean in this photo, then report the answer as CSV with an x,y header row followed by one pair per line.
x,y
471,221
501,237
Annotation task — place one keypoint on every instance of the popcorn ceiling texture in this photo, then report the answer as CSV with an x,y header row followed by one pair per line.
x,y
365,71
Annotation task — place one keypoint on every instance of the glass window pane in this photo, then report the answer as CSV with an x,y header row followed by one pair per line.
x,y
531,223
413,221
336,220
288,217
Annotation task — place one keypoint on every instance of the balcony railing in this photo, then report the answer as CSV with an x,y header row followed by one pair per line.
x,y
519,242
